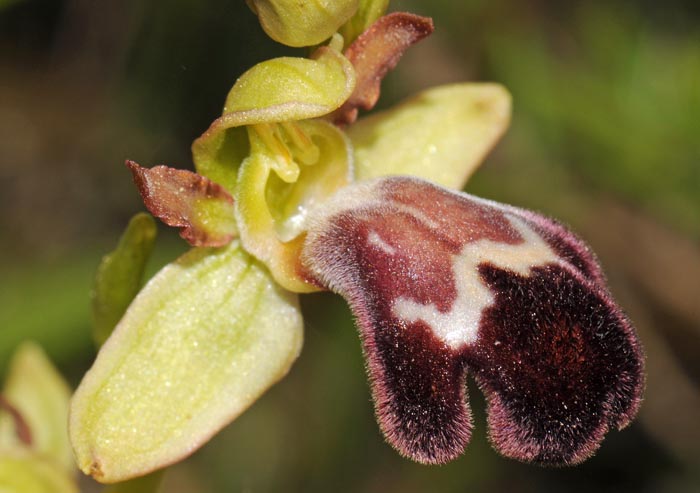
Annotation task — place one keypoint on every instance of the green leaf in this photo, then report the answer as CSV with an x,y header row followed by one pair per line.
x,y
200,343
120,275
40,394
304,23
441,135
29,473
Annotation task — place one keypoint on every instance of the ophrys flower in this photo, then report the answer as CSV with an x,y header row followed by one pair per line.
x,y
440,282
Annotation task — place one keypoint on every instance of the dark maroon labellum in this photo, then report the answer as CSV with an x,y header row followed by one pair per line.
x,y
443,284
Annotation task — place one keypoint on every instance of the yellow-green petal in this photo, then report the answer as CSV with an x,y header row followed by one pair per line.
x,y
441,134
120,275
199,344
40,394
302,23
32,473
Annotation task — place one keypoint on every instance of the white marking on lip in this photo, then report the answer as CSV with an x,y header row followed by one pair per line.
x,y
459,326
365,196
374,239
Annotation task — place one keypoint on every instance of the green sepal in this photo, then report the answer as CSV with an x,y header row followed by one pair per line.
x,y
304,23
199,344
441,134
120,275
39,393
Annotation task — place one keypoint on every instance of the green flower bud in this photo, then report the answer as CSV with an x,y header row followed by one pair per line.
x,y
302,22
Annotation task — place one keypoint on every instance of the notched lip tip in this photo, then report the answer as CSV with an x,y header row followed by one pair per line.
x,y
94,469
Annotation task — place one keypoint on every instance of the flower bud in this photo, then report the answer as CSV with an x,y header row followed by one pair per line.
x,y
302,23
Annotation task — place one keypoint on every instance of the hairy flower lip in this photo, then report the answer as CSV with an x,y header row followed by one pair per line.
x,y
442,282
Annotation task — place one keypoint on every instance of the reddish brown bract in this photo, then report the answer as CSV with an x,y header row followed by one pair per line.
x,y
443,283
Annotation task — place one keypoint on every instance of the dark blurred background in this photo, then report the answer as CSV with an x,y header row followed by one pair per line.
x,y
605,136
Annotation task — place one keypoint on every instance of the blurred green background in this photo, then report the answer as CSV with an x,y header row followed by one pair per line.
x,y
605,136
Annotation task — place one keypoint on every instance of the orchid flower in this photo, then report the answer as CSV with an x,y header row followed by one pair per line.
x,y
291,195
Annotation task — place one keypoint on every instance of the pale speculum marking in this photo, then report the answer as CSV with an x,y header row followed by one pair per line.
x,y
374,239
459,326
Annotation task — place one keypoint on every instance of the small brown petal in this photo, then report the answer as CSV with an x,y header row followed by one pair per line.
x,y
202,209
374,53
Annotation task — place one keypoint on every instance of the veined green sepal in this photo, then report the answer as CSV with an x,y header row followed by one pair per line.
x,y
199,344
